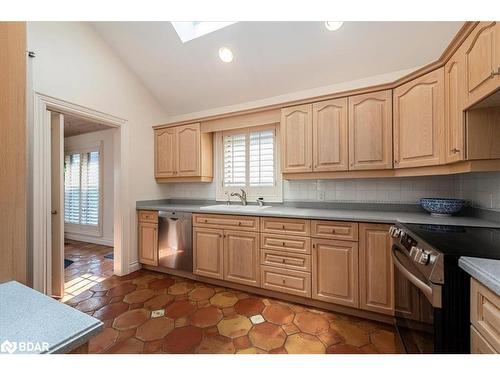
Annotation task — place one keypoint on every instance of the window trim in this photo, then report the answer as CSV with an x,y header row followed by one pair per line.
x,y
83,229
252,192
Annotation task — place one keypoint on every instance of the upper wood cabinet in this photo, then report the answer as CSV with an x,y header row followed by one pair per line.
x,y
455,100
242,257
376,273
296,139
183,153
482,61
419,121
330,144
370,131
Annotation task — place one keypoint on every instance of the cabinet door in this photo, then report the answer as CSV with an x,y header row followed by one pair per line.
x,y
188,150
330,145
148,243
165,153
296,139
370,131
376,274
455,98
419,121
242,257
335,272
208,250
407,299
482,59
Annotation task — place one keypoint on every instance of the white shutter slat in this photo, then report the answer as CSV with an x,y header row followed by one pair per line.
x,y
262,163
234,160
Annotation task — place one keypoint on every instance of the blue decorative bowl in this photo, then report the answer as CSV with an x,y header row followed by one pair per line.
x,y
442,206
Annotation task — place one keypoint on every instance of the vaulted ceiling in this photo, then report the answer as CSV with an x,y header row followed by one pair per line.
x,y
270,58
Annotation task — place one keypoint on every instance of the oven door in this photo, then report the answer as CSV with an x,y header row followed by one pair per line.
x,y
417,306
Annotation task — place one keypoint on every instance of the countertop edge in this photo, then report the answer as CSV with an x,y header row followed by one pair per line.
x,y
479,273
77,340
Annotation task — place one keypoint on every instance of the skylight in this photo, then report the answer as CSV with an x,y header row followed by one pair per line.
x,y
191,30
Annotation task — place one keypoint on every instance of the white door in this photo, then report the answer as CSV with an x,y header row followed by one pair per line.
x,y
57,204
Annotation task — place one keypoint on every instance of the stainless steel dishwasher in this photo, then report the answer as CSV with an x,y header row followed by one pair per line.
x,y
175,244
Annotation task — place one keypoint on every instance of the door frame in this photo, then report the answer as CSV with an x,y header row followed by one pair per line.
x,y
41,191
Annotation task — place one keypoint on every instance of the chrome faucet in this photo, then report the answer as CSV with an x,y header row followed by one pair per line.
x,y
242,196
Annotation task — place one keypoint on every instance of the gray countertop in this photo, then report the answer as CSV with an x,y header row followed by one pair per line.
x,y
486,271
367,215
27,316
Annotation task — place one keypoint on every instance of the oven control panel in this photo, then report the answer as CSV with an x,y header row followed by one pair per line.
x,y
407,241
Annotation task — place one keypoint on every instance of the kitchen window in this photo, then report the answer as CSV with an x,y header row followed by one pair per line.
x,y
248,159
82,191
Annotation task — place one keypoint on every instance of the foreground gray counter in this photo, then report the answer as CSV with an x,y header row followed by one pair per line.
x,y
486,271
30,318
371,215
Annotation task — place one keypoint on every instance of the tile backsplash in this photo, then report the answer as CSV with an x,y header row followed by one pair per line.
x,y
482,189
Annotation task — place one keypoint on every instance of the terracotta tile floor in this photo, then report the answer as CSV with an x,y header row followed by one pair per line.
x,y
193,317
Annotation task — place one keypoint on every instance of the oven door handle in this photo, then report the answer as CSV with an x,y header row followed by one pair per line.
x,y
432,293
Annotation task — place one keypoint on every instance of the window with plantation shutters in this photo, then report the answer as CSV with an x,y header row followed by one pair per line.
x,y
249,162
82,200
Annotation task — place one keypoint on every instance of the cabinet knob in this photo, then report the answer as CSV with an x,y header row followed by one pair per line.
x,y
455,150
283,244
284,281
493,73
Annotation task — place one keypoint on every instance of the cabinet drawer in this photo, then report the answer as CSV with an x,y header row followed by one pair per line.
x,y
286,243
286,281
478,344
248,223
278,225
335,230
288,260
148,216
485,313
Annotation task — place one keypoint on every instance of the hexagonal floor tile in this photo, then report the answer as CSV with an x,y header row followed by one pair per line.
x,y
139,296
304,343
121,289
131,319
249,306
343,349
216,345
103,340
155,329
224,299
234,326
278,314
384,341
352,334
111,311
162,283
312,323
158,302
206,317
330,338
180,308
180,288
201,293
92,304
267,336
129,346
182,340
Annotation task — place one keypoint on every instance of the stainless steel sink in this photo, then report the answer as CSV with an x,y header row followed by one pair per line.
x,y
234,208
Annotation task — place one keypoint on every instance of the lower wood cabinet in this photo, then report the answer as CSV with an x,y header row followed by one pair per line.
x,y
242,257
478,344
208,252
148,243
335,272
485,318
286,281
376,271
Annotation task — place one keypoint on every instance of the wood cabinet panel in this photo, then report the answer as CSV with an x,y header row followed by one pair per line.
x,y
335,272
148,216
288,260
419,121
478,344
148,243
165,153
287,243
376,271
246,223
485,313
188,150
407,297
330,138
482,59
208,252
295,227
296,139
370,131
286,281
242,257
335,230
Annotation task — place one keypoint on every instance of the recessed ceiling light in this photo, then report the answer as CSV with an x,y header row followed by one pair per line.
x,y
333,25
226,54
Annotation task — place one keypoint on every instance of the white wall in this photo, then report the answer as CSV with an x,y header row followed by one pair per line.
x,y
74,64
79,142
482,188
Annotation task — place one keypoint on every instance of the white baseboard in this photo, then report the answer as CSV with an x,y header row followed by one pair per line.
x,y
90,239
135,266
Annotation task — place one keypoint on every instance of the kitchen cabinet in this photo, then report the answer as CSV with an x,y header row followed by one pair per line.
x,y
242,257
376,274
183,153
148,237
482,61
208,252
485,318
296,139
335,230
286,281
330,139
278,225
335,272
418,108
370,131
455,101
